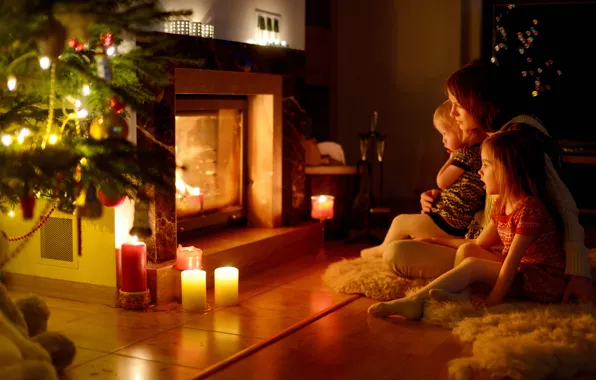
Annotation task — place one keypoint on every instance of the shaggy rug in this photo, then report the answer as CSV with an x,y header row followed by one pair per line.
x,y
370,278
519,340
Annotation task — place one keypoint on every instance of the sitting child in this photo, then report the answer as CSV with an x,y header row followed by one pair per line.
x,y
532,263
462,193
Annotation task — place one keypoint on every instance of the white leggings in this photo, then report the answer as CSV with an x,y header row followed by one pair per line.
x,y
411,258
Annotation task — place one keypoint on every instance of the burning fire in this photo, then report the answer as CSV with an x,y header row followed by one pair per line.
x,y
183,189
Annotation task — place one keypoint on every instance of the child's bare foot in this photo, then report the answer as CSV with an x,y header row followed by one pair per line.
x,y
409,308
372,252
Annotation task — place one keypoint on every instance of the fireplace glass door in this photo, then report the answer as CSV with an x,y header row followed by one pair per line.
x,y
210,157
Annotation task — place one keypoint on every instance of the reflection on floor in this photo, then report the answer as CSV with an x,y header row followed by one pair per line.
x,y
172,344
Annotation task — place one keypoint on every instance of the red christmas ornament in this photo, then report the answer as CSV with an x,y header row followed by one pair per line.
x,y
80,47
107,39
112,200
73,43
27,205
116,105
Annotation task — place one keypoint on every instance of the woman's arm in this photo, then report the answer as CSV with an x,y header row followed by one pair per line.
x,y
519,246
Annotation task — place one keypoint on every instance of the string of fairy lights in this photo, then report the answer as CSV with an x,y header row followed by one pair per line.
x,y
520,48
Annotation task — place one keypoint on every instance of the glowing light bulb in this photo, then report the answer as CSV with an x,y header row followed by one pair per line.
x,y
284,43
53,139
20,139
24,132
83,161
11,213
81,114
45,63
111,51
11,83
86,90
77,104
6,140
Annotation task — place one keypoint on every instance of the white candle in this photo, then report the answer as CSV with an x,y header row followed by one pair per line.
x,y
194,290
226,286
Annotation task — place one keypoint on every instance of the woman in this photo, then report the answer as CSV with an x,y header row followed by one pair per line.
x,y
484,99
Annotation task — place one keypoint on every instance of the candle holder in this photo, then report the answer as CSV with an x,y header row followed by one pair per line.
x,y
134,300
322,209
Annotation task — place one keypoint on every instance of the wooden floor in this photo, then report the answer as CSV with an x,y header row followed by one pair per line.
x,y
171,344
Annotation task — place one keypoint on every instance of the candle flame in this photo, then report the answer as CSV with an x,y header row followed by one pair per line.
x,y
134,239
322,198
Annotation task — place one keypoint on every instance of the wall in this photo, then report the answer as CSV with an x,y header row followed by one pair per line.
x,y
96,265
235,20
394,57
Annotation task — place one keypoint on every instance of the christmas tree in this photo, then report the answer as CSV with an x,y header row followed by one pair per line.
x,y
73,72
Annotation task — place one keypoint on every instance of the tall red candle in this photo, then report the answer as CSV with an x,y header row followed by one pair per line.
x,y
134,266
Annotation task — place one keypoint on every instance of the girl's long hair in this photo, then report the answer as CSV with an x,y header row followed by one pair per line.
x,y
520,170
491,94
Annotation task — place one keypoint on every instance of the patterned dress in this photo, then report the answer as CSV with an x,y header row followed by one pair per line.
x,y
541,270
454,209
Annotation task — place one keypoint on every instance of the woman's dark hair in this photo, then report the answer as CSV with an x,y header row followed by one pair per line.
x,y
491,94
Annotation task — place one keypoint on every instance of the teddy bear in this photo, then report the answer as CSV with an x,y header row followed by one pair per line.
x,y
27,350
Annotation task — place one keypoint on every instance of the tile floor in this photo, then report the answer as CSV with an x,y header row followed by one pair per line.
x,y
171,344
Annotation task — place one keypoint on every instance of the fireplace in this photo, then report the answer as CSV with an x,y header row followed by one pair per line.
x,y
224,127
211,149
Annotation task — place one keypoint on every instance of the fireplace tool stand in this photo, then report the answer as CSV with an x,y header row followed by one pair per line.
x,y
366,197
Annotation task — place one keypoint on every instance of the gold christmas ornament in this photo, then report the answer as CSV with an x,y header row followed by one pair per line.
x,y
52,39
108,126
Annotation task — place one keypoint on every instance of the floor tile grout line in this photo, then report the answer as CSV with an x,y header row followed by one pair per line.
x,y
281,335
88,361
157,361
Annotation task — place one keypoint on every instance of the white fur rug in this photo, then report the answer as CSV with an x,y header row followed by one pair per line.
x,y
370,278
519,340
522,340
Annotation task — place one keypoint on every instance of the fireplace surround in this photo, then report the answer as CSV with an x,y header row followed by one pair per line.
x,y
263,151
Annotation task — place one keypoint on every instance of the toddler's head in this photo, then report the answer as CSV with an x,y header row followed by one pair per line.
x,y
453,136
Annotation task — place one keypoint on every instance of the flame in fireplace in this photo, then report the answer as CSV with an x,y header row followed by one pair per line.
x,y
183,189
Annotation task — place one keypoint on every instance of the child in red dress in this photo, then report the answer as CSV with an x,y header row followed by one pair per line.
x,y
532,263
